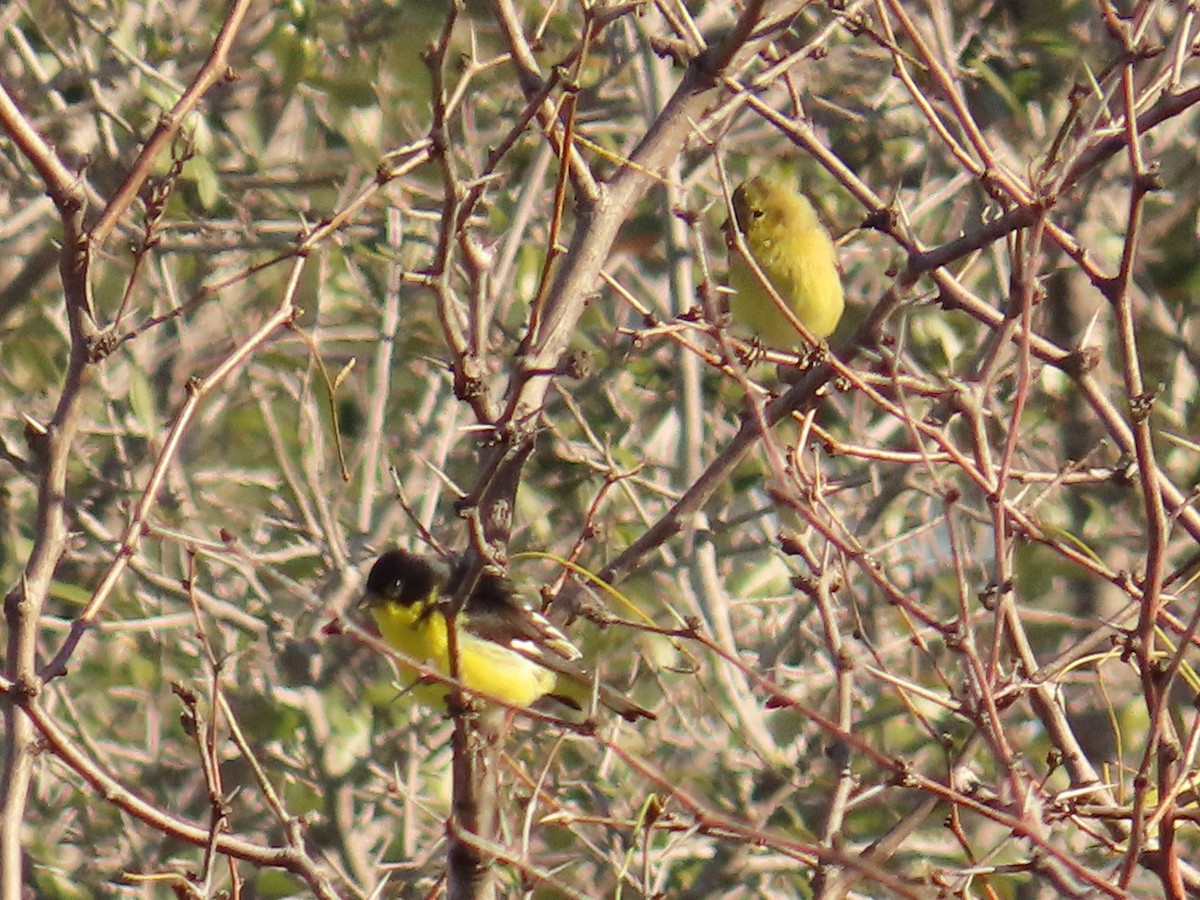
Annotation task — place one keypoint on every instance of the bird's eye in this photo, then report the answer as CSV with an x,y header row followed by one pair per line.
x,y
757,213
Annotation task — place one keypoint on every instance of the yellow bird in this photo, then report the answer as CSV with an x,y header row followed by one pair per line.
x,y
506,649
795,254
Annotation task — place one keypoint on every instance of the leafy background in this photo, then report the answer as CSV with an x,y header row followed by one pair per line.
x,y
932,632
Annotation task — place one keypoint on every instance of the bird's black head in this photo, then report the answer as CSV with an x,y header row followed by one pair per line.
x,y
402,577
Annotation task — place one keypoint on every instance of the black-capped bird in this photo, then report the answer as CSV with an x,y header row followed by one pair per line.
x,y
506,649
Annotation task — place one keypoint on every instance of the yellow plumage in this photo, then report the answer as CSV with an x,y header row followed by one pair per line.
x,y
484,667
505,650
796,255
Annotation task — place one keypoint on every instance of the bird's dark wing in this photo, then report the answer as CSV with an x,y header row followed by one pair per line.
x,y
495,613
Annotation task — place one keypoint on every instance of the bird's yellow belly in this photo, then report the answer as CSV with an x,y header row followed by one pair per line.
x,y
484,667
805,277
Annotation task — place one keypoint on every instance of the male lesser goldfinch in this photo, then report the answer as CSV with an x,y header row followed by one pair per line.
x,y
506,650
796,255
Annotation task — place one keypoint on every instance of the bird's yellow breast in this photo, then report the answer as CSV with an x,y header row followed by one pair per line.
x,y
483,666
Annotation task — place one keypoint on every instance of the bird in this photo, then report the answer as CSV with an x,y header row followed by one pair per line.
x,y
796,255
507,651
